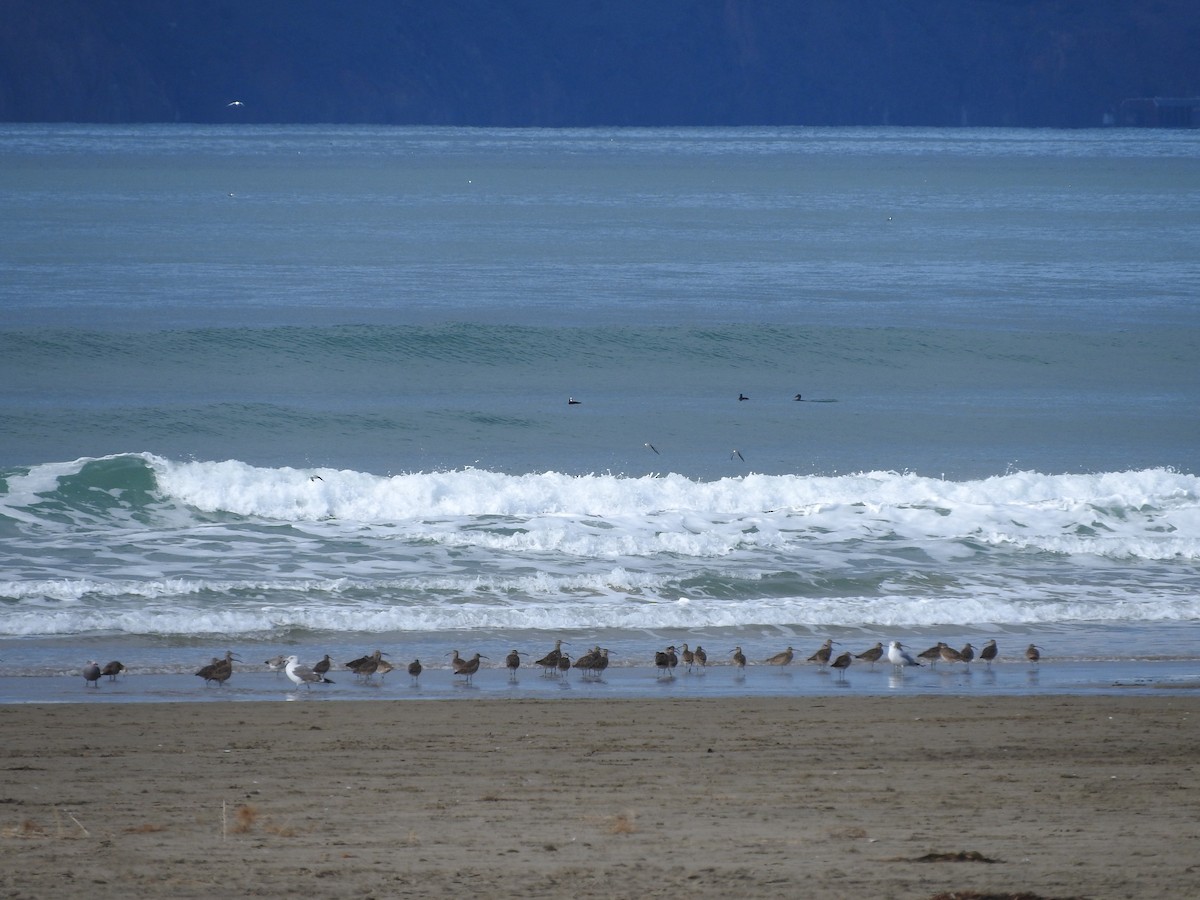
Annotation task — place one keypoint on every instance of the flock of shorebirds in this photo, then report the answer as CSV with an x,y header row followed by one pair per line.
x,y
591,664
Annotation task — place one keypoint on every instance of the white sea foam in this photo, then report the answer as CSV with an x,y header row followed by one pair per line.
x,y
229,548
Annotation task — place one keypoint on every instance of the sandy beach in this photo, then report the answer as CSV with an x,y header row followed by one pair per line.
x,y
903,797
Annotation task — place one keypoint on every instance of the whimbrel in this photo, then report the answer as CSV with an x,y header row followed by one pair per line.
x,y
112,669
967,654
366,666
513,662
564,665
91,673
662,660
414,670
549,662
821,657
469,667
841,663
219,670
739,658
872,655
701,656
782,658
323,665
949,654
933,654
383,668
899,657
688,657
989,651
1033,653
302,675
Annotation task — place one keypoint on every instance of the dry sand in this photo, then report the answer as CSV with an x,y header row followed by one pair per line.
x,y
735,797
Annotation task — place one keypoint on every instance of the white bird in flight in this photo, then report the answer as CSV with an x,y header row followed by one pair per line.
x,y
235,103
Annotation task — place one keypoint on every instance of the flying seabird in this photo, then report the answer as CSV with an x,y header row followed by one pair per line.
x,y
235,103
738,454
652,447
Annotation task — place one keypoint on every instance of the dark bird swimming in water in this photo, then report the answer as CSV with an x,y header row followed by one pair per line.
x,y
743,397
797,397
571,401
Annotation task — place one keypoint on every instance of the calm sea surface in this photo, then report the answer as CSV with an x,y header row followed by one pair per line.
x,y
306,389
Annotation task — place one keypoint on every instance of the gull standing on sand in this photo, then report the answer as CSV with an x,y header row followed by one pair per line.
x,y
899,657
91,673
302,675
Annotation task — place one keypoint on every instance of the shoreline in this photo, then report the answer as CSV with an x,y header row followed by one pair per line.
x,y
898,796
254,683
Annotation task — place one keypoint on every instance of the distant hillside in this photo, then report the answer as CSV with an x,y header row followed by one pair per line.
x,y
594,62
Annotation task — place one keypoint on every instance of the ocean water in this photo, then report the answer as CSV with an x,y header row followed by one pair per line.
x,y
306,389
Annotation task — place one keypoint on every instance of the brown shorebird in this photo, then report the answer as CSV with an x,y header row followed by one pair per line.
x,y
967,653
688,657
366,666
91,673
739,658
1033,653
949,654
469,667
841,663
112,669
780,659
588,661
821,657
988,653
933,654
219,670
549,662
872,655
383,668
323,665
564,665
601,663
513,662
302,675
414,670
701,656
662,660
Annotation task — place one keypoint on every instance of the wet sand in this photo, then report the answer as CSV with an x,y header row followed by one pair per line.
x,y
901,797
